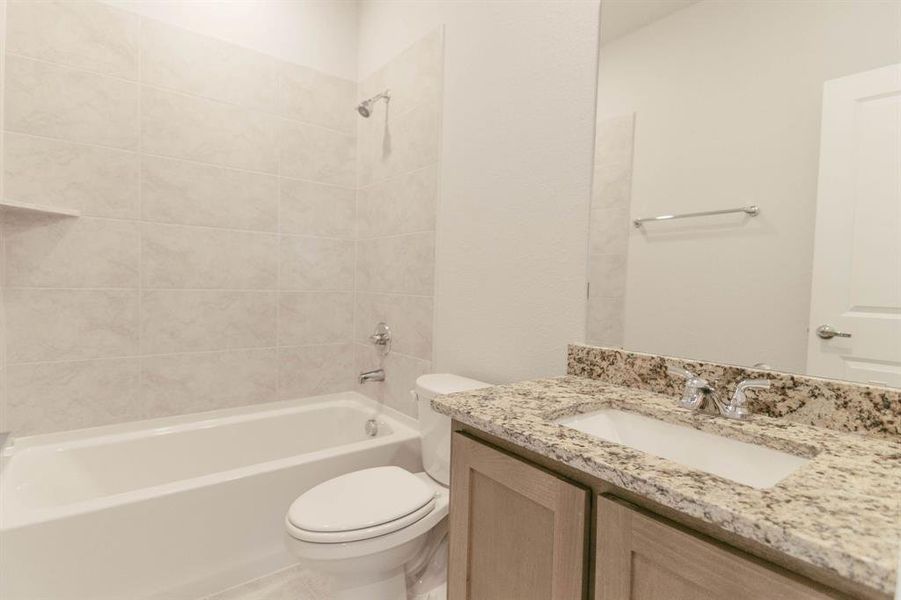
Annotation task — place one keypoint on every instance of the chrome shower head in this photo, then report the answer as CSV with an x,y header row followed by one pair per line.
x,y
365,107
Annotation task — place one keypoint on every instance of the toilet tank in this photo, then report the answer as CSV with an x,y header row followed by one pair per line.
x,y
435,428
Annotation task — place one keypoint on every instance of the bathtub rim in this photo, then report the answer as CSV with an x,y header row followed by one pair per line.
x,y
403,429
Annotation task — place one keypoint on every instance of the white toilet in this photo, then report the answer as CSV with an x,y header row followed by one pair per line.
x,y
364,527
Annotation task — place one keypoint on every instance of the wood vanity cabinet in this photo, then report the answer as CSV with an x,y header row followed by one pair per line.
x,y
639,556
517,532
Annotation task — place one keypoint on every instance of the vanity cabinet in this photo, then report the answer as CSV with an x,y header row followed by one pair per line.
x,y
639,556
518,532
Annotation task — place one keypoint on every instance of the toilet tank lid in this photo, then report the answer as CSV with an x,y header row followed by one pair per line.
x,y
436,384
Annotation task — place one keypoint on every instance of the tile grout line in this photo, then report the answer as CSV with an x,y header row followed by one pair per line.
x,y
191,161
139,356
140,158
278,277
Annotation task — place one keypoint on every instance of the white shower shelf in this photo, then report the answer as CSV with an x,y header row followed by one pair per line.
x,y
13,207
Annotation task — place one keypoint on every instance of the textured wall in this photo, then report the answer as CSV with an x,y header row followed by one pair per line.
x,y
213,264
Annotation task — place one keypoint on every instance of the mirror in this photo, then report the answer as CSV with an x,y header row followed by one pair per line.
x,y
783,118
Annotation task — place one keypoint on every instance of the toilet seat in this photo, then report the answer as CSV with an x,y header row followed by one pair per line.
x,y
326,553
360,505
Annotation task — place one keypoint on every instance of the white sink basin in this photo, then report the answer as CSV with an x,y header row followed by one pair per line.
x,y
749,464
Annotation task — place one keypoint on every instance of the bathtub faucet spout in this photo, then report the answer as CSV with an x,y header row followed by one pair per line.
x,y
376,375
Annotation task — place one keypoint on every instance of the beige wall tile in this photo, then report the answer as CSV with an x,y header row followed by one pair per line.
x,y
183,383
188,321
58,396
410,319
611,186
194,128
414,77
312,370
5,417
607,275
316,154
400,264
176,191
58,102
87,35
605,321
315,318
409,142
48,324
401,373
46,251
188,62
614,139
97,181
403,204
312,264
316,209
176,256
314,97
609,231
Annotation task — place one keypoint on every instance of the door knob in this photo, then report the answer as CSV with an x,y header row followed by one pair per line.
x,y
827,332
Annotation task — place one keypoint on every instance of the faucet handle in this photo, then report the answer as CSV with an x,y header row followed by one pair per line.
x,y
737,409
750,384
696,388
680,372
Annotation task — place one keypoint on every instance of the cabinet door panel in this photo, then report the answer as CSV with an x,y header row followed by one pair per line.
x,y
640,557
517,532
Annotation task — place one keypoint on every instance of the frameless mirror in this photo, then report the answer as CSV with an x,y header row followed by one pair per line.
x,y
746,200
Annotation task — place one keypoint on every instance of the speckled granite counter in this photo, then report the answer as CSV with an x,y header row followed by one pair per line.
x,y
841,511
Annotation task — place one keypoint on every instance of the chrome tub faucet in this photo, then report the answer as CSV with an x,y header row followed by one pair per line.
x,y
374,375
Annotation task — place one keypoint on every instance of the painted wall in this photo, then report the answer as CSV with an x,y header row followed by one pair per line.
x,y
213,262
320,34
727,98
518,130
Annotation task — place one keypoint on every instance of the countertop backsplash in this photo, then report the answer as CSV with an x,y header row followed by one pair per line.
x,y
839,405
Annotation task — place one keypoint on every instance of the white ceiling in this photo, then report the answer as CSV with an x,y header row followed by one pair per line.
x,y
621,17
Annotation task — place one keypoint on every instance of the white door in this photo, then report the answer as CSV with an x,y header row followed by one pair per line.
x,y
857,251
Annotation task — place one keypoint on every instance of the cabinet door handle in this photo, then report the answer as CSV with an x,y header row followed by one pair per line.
x,y
827,332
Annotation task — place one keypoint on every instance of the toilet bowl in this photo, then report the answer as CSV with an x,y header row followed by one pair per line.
x,y
363,528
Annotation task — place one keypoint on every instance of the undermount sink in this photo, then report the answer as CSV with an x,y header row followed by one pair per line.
x,y
748,464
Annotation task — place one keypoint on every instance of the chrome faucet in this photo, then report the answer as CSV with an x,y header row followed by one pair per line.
x,y
699,394
374,375
737,407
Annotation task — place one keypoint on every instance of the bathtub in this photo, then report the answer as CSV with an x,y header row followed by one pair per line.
x,y
178,507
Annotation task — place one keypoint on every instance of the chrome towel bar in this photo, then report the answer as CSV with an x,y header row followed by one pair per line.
x,y
752,210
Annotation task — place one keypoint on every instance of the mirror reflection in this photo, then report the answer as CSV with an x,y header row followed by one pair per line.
x,y
783,119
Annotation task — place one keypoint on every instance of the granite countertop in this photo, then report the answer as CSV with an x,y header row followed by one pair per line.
x,y
841,511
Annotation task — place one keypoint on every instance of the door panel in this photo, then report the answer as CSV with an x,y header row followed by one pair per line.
x,y
857,251
640,557
517,532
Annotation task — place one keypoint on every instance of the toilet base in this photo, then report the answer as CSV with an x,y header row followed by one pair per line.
x,y
391,585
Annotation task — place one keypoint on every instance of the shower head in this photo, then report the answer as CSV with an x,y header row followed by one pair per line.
x,y
365,107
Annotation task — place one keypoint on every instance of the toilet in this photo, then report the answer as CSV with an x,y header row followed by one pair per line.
x,y
365,527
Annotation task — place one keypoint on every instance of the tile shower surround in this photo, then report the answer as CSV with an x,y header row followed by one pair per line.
x,y
217,260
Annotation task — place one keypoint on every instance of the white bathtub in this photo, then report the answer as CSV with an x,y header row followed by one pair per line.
x,y
177,507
